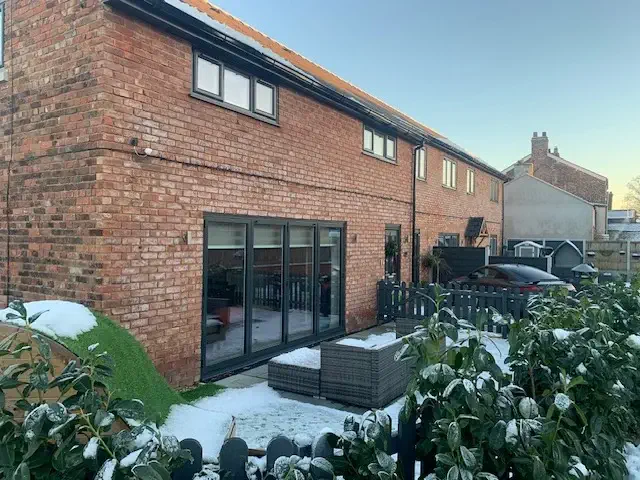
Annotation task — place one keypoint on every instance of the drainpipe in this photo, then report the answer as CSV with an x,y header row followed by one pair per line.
x,y
415,274
502,239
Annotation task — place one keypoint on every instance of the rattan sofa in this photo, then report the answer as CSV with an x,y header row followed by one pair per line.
x,y
368,377
292,377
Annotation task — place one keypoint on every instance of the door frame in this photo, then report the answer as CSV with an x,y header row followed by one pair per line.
x,y
249,357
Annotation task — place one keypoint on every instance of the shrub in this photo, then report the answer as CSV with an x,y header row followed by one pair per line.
x,y
570,406
77,436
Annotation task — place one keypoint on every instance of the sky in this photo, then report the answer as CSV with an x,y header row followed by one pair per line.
x,y
486,74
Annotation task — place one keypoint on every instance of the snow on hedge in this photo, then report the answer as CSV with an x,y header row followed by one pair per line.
x,y
60,318
632,454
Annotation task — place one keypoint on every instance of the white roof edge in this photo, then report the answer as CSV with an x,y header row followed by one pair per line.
x,y
557,188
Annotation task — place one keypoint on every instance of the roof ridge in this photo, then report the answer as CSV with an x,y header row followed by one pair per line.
x,y
283,46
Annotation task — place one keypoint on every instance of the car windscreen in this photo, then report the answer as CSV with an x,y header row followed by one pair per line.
x,y
525,273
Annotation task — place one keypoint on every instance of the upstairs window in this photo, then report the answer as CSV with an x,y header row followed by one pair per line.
x,y
448,240
471,181
233,89
449,173
379,144
495,190
421,164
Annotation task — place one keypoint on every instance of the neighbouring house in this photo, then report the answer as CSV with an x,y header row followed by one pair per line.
x,y
577,181
624,225
219,195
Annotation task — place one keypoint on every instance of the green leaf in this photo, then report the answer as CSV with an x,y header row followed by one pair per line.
x,y
576,381
467,457
453,435
164,473
453,384
450,331
22,472
386,462
445,459
39,381
19,307
486,476
7,454
43,346
453,473
133,409
6,342
595,423
497,435
466,474
539,472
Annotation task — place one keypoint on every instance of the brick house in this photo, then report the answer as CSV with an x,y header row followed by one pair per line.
x,y
216,193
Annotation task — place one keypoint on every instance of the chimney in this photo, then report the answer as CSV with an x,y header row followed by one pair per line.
x,y
610,200
555,151
539,146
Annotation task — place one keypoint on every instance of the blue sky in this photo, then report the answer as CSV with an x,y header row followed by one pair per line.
x,y
486,74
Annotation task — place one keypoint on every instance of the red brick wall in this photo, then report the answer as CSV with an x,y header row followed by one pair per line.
x,y
51,56
443,210
94,221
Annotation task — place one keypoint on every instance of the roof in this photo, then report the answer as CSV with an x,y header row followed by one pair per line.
x,y
624,231
512,183
622,214
474,227
557,158
236,30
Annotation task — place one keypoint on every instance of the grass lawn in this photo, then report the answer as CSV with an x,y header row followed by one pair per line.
x,y
201,391
134,375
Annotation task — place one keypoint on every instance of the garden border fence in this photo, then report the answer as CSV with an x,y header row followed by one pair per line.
x,y
235,452
402,300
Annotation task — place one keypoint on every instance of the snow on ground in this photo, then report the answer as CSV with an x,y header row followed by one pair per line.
x,y
261,413
208,427
632,453
372,341
61,319
302,357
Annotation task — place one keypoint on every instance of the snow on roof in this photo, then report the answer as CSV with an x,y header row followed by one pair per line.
x,y
61,319
622,214
624,231
239,31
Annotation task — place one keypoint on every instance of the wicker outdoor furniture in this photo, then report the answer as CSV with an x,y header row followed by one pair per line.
x,y
297,372
364,376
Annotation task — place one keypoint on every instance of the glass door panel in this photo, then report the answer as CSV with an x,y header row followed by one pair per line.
x,y
266,329
330,276
225,277
301,240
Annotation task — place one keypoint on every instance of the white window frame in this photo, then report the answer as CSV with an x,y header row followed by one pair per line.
x,y
494,195
218,99
386,155
471,181
421,164
449,173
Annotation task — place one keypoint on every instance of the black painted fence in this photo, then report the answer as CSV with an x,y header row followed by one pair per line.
x,y
235,452
399,300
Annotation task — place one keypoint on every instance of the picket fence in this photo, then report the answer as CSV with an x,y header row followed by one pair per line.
x,y
235,452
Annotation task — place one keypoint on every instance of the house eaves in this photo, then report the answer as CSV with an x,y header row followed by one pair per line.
x,y
194,20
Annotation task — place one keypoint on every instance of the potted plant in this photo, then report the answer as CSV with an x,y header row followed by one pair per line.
x,y
434,262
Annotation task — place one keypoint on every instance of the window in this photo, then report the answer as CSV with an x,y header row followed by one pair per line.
x,y
495,190
421,164
471,181
448,240
448,173
493,245
1,33
228,87
379,144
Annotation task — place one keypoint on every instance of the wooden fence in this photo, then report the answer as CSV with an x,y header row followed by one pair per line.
x,y
235,453
399,300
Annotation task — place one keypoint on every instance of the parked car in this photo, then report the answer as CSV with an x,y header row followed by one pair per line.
x,y
521,277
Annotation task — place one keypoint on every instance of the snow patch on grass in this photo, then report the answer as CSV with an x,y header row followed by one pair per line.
x,y
60,318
